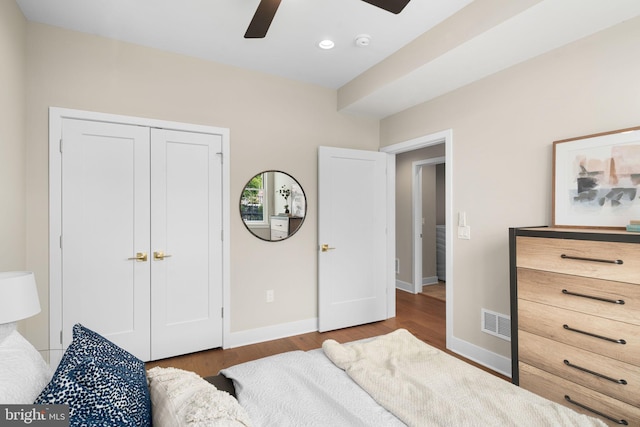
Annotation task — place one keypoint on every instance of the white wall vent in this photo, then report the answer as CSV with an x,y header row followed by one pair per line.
x,y
496,324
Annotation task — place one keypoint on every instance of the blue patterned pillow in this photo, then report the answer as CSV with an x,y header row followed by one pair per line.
x,y
103,384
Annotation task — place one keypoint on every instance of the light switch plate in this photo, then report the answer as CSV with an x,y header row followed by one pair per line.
x,y
464,232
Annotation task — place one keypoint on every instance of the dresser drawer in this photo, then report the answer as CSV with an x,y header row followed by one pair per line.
x,y
580,258
614,300
280,223
607,337
603,374
555,389
278,235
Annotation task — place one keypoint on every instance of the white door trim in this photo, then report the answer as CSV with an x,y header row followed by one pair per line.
x,y
56,115
416,187
391,234
445,137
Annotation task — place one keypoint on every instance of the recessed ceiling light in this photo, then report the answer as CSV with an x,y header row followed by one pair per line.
x,y
326,44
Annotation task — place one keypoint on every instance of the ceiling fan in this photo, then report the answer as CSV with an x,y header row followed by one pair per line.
x,y
266,10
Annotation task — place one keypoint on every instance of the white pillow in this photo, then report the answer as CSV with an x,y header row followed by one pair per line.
x,y
182,398
23,371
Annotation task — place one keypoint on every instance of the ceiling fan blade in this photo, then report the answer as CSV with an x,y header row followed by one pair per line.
x,y
393,6
262,19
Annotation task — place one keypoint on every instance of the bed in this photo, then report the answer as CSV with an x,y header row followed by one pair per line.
x,y
391,380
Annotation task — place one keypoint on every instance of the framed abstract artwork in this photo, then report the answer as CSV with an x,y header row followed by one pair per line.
x,y
596,180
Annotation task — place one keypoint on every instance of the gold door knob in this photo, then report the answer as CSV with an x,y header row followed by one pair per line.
x,y
140,257
326,248
159,255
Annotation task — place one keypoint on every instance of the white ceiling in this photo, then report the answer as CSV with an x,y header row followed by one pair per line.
x,y
214,30
547,25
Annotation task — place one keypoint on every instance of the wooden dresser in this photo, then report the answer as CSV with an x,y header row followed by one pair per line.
x,y
575,319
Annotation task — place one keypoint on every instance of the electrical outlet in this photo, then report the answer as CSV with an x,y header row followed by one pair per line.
x,y
270,296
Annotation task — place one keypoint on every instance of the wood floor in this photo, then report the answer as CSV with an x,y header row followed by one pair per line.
x,y
437,291
421,315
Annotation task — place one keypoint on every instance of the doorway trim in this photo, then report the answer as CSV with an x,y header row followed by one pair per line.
x,y
56,116
416,187
443,137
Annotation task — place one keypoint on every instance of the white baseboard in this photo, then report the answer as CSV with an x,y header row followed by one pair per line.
x,y
433,280
268,333
481,355
404,286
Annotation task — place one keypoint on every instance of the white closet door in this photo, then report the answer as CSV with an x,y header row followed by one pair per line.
x,y
186,225
105,222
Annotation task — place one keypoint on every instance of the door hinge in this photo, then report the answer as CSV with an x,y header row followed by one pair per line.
x,y
61,241
222,312
221,156
222,235
60,336
60,145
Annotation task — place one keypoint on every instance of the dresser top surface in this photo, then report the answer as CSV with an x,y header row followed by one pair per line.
x,y
616,235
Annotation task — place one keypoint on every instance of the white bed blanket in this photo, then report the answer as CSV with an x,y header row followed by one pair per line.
x,y
300,389
424,386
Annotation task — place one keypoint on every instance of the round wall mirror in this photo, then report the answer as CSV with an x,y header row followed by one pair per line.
x,y
273,205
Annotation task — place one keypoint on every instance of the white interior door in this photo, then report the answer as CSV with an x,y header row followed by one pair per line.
x,y
105,222
186,225
352,222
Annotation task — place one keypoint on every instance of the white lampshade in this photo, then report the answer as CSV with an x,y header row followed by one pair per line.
x,y
18,296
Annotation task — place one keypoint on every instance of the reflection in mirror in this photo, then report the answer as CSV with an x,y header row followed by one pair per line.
x,y
273,205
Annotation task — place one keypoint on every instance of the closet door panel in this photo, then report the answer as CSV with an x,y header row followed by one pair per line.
x,y
186,294
105,222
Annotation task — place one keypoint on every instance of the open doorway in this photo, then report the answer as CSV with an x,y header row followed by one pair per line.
x,y
415,223
429,225
444,140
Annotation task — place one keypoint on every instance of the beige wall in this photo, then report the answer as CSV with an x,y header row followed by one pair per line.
x,y
503,129
13,36
404,212
274,123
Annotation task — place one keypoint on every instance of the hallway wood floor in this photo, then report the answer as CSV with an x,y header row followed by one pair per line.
x,y
437,291
421,315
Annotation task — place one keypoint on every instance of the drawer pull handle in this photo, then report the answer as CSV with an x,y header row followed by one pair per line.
x,y
613,301
608,261
615,420
588,371
620,341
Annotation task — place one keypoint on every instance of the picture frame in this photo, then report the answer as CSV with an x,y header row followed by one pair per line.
x,y
596,180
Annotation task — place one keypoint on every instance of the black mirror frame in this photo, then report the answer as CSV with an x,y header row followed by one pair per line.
x,y
304,195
